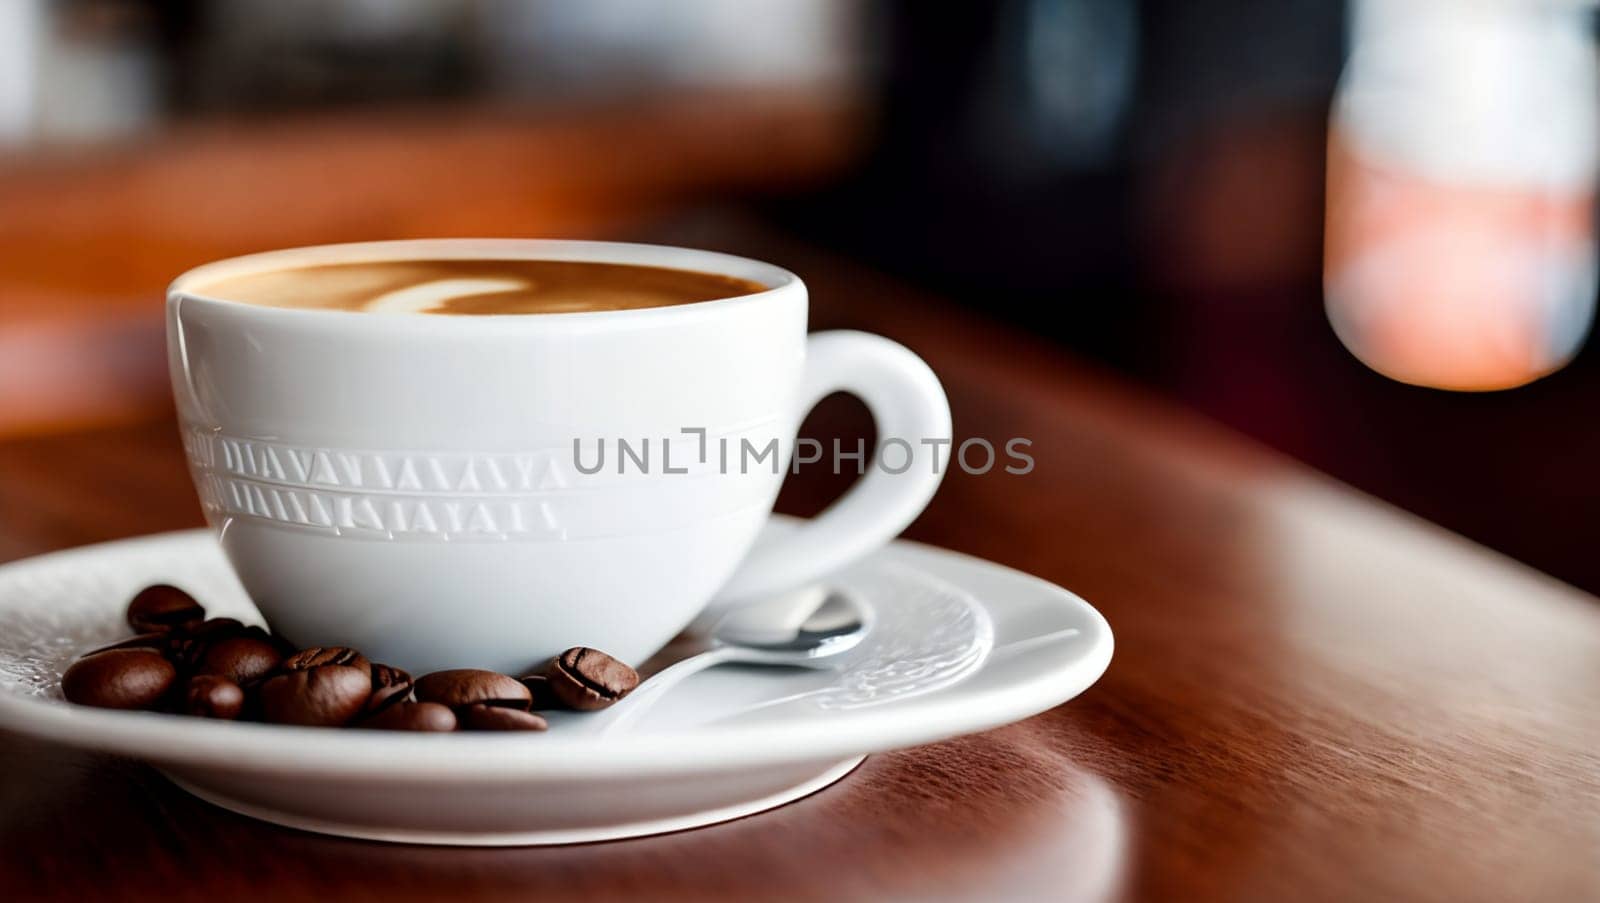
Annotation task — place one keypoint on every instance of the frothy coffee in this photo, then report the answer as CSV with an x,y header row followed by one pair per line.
x,y
476,287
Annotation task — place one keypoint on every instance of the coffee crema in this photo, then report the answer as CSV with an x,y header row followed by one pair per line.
x,y
476,286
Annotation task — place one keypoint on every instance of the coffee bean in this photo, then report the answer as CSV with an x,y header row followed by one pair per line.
x,y
241,658
482,717
187,643
539,688
213,696
156,642
413,716
278,644
465,686
390,685
325,695
119,679
213,628
588,679
162,607
285,648
320,656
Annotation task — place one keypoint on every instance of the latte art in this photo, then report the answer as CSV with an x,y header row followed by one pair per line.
x,y
435,297
476,287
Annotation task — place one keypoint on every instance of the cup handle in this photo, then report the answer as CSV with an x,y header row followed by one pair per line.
x,y
909,405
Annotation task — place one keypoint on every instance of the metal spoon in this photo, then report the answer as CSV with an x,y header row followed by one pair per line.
x,y
837,626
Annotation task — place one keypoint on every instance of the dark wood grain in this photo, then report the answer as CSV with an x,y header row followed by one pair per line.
x,y
1314,696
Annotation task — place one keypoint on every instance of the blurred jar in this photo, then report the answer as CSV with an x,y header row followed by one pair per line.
x,y
1460,243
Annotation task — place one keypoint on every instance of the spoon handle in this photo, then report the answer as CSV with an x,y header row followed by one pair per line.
x,y
630,708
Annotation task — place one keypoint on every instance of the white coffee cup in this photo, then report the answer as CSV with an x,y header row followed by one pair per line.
x,y
417,486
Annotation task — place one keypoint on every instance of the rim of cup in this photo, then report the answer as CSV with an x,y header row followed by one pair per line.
x,y
776,279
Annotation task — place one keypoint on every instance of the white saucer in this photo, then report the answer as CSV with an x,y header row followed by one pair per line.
x,y
961,645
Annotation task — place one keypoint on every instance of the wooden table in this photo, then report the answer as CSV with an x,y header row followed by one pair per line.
x,y
1314,697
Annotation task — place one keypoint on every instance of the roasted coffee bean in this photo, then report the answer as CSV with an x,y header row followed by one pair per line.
x,y
119,679
187,643
322,696
321,656
390,685
157,642
539,689
241,658
213,696
588,679
212,626
285,648
162,607
218,628
482,717
282,648
413,716
465,686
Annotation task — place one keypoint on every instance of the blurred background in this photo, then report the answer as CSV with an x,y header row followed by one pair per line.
x,y
1361,232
